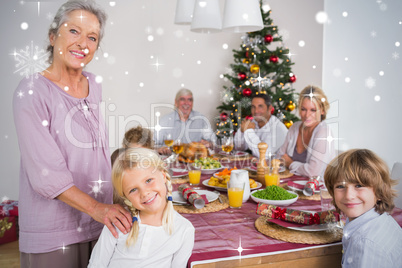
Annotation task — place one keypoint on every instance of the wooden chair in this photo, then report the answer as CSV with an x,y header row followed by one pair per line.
x,y
396,174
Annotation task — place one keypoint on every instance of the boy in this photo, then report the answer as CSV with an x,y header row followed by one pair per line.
x,y
360,184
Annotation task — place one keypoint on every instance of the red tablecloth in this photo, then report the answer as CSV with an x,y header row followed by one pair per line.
x,y
222,234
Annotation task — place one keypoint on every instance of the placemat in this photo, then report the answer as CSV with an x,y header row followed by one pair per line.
x,y
179,180
211,207
293,236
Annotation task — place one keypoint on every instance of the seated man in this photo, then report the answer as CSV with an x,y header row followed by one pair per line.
x,y
262,128
184,123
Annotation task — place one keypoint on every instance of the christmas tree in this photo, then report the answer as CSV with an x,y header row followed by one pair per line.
x,y
262,66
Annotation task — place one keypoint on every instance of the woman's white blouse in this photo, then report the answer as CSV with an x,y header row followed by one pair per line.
x,y
320,150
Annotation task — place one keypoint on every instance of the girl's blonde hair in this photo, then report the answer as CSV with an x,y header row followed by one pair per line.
x,y
316,95
141,158
364,167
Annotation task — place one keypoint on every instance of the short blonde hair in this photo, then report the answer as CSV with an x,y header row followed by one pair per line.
x,y
364,167
139,135
141,158
182,92
318,96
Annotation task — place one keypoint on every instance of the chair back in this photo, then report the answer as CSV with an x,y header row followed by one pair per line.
x,y
396,174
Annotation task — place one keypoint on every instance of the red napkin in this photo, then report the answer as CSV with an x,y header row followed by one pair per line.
x,y
203,196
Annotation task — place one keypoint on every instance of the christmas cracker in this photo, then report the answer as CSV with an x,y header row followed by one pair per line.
x,y
297,216
191,196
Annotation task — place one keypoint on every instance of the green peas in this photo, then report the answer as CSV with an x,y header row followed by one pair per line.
x,y
274,192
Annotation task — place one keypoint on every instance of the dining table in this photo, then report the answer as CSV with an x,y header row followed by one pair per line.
x,y
229,237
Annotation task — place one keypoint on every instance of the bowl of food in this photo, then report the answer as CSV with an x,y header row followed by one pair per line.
x,y
207,165
274,195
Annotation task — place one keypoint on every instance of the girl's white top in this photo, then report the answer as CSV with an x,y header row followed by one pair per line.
x,y
154,247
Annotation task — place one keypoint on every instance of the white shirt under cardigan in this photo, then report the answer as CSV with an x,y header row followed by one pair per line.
x,y
154,247
272,133
319,151
372,240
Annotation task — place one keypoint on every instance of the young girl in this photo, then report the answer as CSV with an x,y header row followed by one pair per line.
x,y
360,184
160,237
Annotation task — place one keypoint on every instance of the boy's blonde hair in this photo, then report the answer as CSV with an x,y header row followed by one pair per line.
x,y
364,167
316,95
141,158
139,135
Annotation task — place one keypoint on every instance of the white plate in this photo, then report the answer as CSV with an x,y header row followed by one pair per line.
x,y
178,198
178,170
302,183
275,202
205,183
236,153
311,228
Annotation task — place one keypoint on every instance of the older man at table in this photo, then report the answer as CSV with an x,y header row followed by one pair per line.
x,y
184,123
262,128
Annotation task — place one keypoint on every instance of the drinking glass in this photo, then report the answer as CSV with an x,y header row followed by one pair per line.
x,y
271,178
168,140
178,146
235,193
227,144
194,176
326,200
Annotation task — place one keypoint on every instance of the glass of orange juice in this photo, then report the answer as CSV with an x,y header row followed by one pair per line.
x,y
271,178
235,193
194,176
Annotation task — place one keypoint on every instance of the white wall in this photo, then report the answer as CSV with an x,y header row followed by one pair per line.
x,y
366,86
361,48
129,62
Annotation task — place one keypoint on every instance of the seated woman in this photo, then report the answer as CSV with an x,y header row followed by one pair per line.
x,y
306,150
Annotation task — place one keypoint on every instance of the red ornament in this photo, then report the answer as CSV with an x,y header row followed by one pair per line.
x,y
249,117
247,92
272,110
292,79
247,54
242,76
223,116
273,59
268,38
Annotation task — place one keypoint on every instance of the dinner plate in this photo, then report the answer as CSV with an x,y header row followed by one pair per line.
x,y
302,183
236,153
178,198
311,228
275,202
205,183
178,172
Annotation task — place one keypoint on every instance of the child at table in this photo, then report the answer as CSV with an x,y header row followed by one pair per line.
x,y
133,138
160,237
361,187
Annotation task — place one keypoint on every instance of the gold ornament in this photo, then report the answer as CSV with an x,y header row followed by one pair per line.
x,y
288,123
5,226
246,61
291,106
254,68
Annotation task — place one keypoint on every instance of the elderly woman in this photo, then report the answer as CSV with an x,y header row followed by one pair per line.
x,y
306,150
65,189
